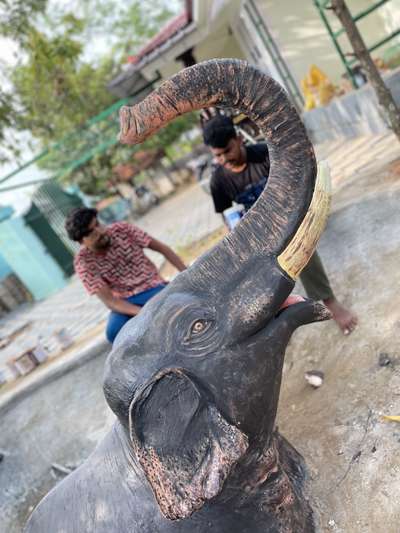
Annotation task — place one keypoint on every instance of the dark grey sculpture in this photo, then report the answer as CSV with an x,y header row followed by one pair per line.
x,y
194,380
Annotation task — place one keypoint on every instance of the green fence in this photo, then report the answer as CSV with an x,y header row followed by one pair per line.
x,y
67,155
349,62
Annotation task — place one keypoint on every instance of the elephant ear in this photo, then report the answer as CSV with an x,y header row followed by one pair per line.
x,y
185,447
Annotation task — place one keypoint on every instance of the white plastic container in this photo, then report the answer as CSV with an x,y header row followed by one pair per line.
x,y
233,215
40,351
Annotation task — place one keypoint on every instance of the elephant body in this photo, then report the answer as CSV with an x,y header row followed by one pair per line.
x,y
194,379
110,493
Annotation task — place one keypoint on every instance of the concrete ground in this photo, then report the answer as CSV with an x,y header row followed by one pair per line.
x,y
352,453
58,423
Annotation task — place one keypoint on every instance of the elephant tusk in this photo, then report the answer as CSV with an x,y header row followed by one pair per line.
x,y
300,249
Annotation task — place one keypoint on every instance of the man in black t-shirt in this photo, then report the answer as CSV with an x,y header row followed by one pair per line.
x,y
244,186
240,176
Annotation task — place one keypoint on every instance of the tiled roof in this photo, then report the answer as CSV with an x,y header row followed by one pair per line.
x,y
169,31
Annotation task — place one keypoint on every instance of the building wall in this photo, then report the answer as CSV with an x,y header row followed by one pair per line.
x,y
28,258
225,45
353,114
5,269
211,38
252,43
304,40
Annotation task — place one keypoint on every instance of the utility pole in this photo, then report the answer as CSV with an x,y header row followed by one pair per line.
x,y
383,94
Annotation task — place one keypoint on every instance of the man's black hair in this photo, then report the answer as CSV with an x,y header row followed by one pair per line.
x,y
78,222
218,131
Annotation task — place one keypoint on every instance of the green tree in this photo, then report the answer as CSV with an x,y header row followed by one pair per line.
x,y
16,20
170,135
130,23
60,83
56,91
17,17
94,176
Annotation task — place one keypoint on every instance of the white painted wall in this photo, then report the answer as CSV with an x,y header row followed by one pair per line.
x,y
221,30
303,39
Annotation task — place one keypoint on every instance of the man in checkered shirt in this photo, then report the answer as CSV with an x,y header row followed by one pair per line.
x,y
112,265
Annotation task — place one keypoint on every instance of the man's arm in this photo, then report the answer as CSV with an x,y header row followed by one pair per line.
x,y
117,304
219,196
220,200
168,253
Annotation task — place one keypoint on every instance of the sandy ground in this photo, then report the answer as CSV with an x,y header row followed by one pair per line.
x,y
351,452
57,424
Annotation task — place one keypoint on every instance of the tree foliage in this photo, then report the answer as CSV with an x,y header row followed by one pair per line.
x,y
56,91
59,81
16,20
94,177
17,17
130,24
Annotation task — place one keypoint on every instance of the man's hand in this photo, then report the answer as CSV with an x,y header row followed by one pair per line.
x,y
117,304
168,253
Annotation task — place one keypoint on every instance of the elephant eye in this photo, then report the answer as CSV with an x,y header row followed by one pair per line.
x,y
199,326
200,331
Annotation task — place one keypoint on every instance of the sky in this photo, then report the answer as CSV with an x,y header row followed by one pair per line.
x,y
19,199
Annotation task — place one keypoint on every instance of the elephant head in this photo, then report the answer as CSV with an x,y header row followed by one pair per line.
x,y
194,379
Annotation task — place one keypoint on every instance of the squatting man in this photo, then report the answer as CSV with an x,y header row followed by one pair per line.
x,y
112,265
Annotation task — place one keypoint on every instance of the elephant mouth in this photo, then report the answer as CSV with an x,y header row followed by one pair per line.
x,y
293,299
290,302
305,309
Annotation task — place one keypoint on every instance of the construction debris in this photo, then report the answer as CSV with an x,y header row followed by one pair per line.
x,y
315,378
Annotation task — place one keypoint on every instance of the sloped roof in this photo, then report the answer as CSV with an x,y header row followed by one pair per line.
x,y
168,32
131,80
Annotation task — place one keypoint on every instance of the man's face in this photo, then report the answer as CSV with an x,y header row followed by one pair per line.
x,y
231,157
97,239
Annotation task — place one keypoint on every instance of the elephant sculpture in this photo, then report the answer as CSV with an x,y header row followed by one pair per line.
x,y
194,379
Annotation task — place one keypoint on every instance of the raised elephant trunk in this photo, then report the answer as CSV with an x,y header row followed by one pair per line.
x,y
194,379
273,221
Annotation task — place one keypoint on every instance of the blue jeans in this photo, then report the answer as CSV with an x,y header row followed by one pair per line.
x,y
117,320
